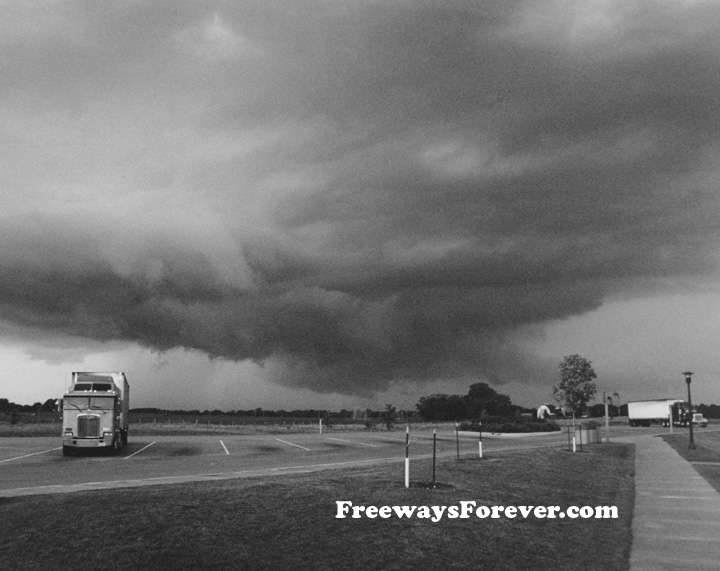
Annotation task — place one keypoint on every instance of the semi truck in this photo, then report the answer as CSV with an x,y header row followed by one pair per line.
x,y
645,413
699,419
95,412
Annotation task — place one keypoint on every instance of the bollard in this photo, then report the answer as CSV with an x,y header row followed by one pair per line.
x,y
407,456
457,440
434,445
480,439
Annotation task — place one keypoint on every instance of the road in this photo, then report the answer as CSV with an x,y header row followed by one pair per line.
x,y
36,465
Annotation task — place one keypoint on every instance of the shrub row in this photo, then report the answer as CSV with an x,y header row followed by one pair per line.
x,y
510,424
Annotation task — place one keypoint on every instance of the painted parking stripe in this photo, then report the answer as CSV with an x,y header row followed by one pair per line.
x,y
33,454
291,444
413,440
224,448
138,452
353,442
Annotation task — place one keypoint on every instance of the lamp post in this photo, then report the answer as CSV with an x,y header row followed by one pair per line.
x,y
617,406
688,378
607,400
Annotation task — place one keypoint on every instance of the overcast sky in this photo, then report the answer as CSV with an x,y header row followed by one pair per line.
x,y
298,203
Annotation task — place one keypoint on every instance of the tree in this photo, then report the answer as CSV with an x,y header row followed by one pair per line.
x,y
483,398
576,387
442,407
390,416
50,405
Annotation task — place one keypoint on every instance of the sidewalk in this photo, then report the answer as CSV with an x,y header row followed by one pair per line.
x,y
676,524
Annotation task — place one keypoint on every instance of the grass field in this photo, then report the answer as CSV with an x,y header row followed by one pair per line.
x,y
705,457
288,522
145,424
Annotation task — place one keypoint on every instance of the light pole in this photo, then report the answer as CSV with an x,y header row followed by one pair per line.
x,y
688,378
607,400
617,406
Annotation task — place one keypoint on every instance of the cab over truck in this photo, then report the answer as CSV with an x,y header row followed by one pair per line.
x,y
645,413
95,412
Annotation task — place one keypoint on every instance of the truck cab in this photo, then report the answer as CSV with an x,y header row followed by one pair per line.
x,y
699,419
95,412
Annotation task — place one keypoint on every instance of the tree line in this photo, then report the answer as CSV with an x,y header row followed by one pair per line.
x,y
8,407
263,413
481,400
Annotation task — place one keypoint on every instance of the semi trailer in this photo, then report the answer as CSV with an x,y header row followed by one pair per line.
x,y
661,411
95,412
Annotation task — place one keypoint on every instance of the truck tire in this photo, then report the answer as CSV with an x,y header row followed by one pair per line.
x,y
110,450
67,451
124,437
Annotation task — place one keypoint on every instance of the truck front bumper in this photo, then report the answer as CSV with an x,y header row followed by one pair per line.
x,y
76,442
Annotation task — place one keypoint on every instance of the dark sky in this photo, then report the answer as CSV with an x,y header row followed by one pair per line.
x,y
352,196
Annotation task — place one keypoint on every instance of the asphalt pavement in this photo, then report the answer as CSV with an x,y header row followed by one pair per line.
x,y
676,521
30,466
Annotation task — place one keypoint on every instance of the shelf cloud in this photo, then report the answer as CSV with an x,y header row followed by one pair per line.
x,y
360,193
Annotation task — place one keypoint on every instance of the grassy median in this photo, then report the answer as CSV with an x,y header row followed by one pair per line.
x,y
705,458
288,522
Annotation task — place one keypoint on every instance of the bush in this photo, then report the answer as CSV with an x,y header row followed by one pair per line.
x,y
511,424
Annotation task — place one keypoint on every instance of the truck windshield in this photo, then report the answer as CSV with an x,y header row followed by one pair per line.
x,y
84,403
101,403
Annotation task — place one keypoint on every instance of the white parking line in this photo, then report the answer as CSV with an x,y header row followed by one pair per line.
x,y
224,448
138,452
291,444
33,454
413,440
353,442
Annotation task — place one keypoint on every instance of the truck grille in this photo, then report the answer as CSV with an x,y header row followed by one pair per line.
x,y
88,427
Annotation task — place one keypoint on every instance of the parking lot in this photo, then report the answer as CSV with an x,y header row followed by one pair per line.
x,y
37,465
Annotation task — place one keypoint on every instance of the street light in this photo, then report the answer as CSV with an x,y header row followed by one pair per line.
x,y
688,378
618,403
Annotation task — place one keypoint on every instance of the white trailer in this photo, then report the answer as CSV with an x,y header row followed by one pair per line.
x,y
96,412
659,411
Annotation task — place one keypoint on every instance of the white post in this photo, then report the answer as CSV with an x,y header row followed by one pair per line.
x,y
607,420
480,439
320,419
670,418
407,456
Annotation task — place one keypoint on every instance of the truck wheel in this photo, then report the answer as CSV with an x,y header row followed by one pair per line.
x,y
124,437
67,451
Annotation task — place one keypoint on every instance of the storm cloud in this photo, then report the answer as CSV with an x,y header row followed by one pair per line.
x,y
359,193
